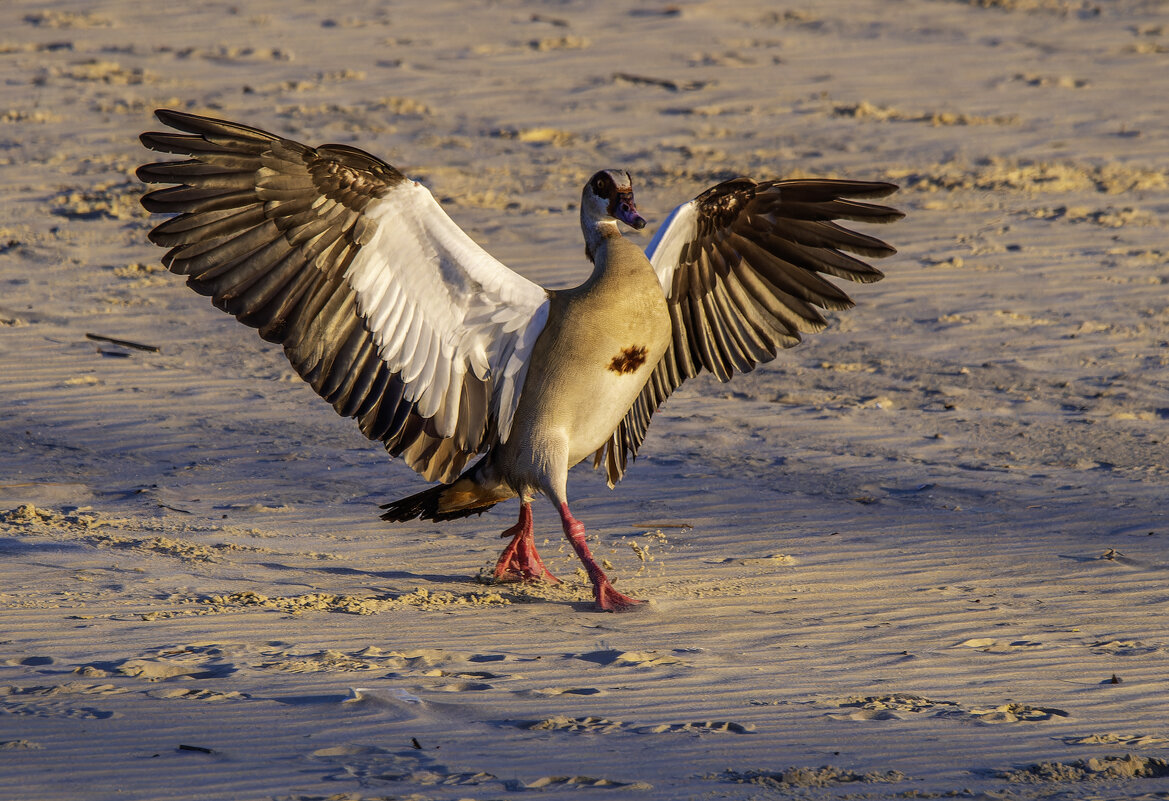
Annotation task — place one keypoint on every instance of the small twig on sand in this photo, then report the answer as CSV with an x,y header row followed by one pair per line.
x,y
125,343
673,86
198,748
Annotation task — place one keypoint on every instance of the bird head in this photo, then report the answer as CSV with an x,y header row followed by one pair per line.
x,y
609,196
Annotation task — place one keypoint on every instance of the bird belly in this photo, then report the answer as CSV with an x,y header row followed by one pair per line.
x,y
594,411
601,369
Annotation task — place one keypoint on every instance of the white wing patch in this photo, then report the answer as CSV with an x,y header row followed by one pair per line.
x,y
438,306
665,249
506,393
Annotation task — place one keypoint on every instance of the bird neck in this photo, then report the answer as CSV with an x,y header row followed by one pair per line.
x,y
595,233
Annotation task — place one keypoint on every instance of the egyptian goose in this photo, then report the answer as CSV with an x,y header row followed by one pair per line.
x,y
398,319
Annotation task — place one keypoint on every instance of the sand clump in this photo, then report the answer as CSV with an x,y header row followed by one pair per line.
x,y
86,526
327,602
903,706
806,777
27,516
600,725
864,110
1096,769
1034,177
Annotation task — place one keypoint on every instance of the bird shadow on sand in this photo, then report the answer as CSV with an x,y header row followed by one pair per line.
x,y
404,575
12,546
511,592
309,699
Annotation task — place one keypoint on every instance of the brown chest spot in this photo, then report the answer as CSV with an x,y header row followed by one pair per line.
x,y
628,360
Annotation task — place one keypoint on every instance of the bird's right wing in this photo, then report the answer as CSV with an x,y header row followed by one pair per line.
x,y
382,303
741,266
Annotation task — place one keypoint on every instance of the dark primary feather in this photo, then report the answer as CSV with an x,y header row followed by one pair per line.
x,y
267,227
750,281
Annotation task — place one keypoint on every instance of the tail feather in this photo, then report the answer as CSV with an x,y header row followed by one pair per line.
x,y
465,496
431,504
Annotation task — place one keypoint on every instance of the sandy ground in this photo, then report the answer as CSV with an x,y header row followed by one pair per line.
x,y
922,555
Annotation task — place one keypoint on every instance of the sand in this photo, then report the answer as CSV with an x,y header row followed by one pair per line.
x,y
925,554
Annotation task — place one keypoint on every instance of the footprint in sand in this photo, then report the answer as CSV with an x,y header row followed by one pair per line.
x,y
422,659
545,782
699,727
39,702
1009,713
429,662
641,659
599,725
897,706
68,688
352,761
163,669
436,663
470,681
367,764
29,661
902,706
461,687
395,703
989,645
546,692
1123,648
1111,738
463,674
801,777
588,725
327,661
1129,766
198,695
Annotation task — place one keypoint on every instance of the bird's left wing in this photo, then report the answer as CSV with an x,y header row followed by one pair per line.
x,y
742,268
382,303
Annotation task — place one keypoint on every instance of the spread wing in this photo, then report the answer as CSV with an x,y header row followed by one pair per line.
x,y
742,267
382,303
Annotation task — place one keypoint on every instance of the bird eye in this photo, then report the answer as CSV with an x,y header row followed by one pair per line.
x,y
599,185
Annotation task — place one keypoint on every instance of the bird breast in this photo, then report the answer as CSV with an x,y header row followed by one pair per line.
x,y
602,342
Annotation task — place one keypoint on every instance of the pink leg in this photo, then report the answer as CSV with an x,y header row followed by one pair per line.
x,y
519,560
608,599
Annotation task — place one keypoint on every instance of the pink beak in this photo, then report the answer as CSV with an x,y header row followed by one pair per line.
x,y
627,212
